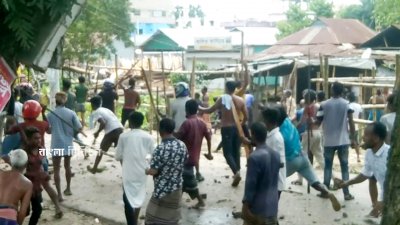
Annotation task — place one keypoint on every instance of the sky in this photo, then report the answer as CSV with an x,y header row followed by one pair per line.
x,y
230,9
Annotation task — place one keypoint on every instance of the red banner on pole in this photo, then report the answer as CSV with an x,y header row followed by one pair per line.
x,y
7,77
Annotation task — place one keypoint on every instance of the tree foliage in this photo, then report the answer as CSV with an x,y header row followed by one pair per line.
x,y
387,12
322,8
297,19
20,20
91,36
363,12
193,12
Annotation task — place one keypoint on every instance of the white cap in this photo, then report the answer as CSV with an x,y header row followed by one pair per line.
x,y
18,158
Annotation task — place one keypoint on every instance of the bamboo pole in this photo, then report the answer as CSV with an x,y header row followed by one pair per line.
x,y
358,79
158,109
164,83
318,88
321,71
373,106
373,93
193,78
361,84
360,91
326,76
397,82
150,92
334,72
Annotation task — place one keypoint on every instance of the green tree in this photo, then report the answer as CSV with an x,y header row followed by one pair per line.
x,y
20,20
387,12
322,8
297,19
363,12
101,22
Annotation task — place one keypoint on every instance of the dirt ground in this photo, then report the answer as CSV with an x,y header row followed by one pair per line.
x,y
97,199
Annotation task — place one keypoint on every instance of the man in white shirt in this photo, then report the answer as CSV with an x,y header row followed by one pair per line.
x,y
357,114
134,147
375,163
290,104
110,124
388,119
275,141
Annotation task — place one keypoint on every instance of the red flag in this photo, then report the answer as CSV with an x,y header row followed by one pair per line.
x,y
7,77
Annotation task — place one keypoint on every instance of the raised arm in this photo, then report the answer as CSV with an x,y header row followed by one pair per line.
x,y
211,109
245,80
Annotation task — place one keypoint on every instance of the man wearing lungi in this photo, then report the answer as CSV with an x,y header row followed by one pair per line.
x,y
13,180
192,132
166,167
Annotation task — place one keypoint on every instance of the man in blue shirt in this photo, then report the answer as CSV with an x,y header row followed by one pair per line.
x,y
296,161
260,201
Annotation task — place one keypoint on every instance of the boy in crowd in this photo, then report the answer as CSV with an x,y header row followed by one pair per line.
x,y
112,128
71,98
192,132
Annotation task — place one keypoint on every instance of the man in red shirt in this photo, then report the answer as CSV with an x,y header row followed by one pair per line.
x,y
192,132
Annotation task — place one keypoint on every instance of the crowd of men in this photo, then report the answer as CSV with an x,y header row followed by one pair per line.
x,y
279,144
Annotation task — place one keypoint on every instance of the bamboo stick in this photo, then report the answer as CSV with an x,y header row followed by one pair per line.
x,y
361,84
318,82
164,83
373,93
326,76
360,78
193,78
397,82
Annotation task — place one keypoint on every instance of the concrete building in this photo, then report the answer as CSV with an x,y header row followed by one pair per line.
x,y
150,16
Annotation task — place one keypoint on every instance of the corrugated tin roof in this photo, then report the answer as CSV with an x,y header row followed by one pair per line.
x,y
331,31
390,37
338,37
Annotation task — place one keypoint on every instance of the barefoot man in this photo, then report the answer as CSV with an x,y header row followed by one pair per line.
x,y
192,132
112,128
64,123
15,190
230,135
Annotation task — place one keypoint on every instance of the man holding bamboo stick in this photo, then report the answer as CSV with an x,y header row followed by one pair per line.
x,y
230,106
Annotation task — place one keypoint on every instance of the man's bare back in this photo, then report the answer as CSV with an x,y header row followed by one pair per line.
x,y
132,99
227,118
14,187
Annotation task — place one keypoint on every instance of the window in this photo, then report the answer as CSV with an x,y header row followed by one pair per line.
x,y
157,13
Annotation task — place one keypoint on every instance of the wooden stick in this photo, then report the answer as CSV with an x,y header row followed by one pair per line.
x,y
326,76
193,78
150,93
164,83
359,78
239,127
373,93
397,82
362,84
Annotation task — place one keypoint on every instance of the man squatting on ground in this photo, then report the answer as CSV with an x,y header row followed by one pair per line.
x,y
230,136
112,128
134,147
192,132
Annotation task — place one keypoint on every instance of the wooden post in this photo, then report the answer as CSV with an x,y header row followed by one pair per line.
x,y
373,94
242,52
193,78
360,91
276,85
164,84
116,68
334,71
146,79
318,88
326,76
397,83
158,109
